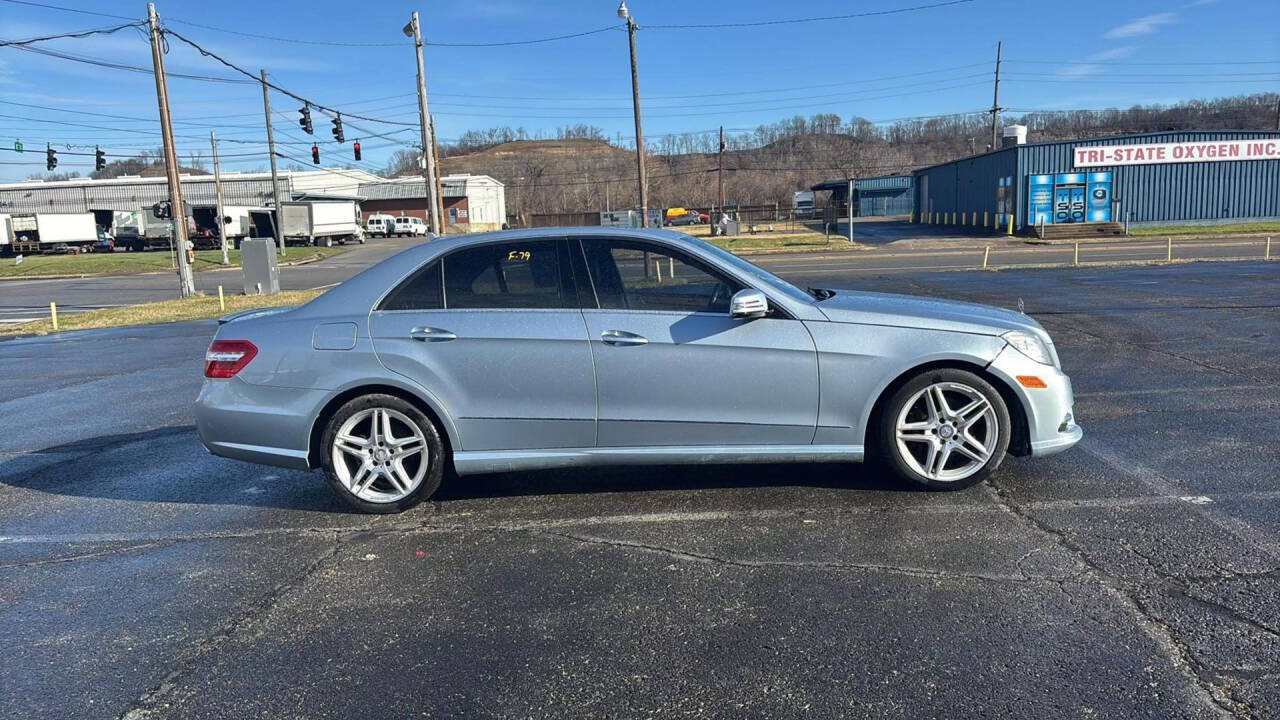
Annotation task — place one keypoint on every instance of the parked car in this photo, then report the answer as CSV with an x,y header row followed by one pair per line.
x,y
380,225
686,217
565,347
409,226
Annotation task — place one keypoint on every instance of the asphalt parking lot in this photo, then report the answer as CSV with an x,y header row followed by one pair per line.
x,y
1136,576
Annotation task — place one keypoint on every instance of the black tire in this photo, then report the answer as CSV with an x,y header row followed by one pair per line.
x,y
436,460
950,379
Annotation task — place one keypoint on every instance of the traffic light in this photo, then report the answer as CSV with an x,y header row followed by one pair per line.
x,y
305,120
99,159
356,148
50,158
315,154
337,128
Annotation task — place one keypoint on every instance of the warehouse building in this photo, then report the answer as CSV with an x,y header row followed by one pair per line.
x,y
1098,185
130,193
888,195
472,203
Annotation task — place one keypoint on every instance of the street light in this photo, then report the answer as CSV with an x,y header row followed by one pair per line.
x,y
625,14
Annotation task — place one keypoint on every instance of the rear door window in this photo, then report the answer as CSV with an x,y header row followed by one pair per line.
x,y
532,274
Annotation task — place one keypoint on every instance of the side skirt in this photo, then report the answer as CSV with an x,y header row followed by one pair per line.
x,y
491,461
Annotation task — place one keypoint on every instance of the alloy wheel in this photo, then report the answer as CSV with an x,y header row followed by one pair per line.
x,y
380,455
947,431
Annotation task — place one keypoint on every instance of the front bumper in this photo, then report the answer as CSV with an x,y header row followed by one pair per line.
x,y
1051,420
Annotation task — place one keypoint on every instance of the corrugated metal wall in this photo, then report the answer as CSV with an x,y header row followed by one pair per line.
x,y
131,196
887,195
964,186
1174,192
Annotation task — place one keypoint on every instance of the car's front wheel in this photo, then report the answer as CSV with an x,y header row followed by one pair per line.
x,y
945,429
382,454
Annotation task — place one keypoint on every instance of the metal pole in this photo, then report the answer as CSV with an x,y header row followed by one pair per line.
x,y
720,173
995,100
435,155
217,189
642,180
271,150
850,210
428,165
186,285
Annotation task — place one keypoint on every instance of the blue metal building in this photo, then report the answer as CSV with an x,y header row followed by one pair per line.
x,y
887,195
1162,178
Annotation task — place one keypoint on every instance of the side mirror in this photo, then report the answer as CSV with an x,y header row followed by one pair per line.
x,y
748,304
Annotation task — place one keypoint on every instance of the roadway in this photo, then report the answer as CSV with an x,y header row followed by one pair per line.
x,y
1137,575
25,299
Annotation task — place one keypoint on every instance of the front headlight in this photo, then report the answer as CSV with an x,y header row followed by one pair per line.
x,y
1029,345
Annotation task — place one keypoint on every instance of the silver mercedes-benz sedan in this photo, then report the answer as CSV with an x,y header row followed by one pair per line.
x,y
597,346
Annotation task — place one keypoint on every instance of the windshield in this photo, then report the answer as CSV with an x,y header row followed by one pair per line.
x,y
764,276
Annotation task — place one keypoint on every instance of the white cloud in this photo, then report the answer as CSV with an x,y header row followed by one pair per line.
x,y
1087,66
1143,25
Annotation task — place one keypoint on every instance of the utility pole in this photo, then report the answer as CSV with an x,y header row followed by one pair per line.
x,y
1278,114
271,150
178,214
995,100
642,181
217,189
414,30
720,171
435,155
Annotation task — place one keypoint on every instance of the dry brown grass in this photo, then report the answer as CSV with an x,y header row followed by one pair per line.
x,y
196,308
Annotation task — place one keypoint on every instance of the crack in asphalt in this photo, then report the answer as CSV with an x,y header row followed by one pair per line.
x,y
1142,346
1202,677
167,691
703,558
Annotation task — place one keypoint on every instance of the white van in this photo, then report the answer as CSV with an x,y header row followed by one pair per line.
x,y
380,225
410,226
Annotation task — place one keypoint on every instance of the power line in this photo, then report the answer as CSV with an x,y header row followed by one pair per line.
x,y
794,21
78,34
121,66
277,88
67,9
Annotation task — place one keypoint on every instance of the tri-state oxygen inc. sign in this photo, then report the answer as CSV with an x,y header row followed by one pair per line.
x,y
1158,153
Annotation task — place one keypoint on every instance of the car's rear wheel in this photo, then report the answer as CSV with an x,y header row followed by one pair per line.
x,y
945,429
382,454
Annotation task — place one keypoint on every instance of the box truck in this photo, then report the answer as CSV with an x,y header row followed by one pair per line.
x,y
320,222
238,220
52,232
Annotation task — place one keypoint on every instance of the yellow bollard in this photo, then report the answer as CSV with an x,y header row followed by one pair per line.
x,y
963,218
986,255
975,219
984,218
1168,254
1010,223
1075,259
953,217
222,303
53,315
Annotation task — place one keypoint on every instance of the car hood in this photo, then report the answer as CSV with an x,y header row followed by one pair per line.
x,y
872,308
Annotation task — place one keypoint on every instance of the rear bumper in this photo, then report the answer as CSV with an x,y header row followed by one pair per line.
x,y
1051,420
257,423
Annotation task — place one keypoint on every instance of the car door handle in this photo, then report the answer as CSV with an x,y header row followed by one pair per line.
x,y
430,334
622,337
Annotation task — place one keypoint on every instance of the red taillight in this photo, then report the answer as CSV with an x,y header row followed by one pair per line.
x,y
225,358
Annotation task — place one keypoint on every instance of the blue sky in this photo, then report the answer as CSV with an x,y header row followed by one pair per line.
x,y
1084,54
